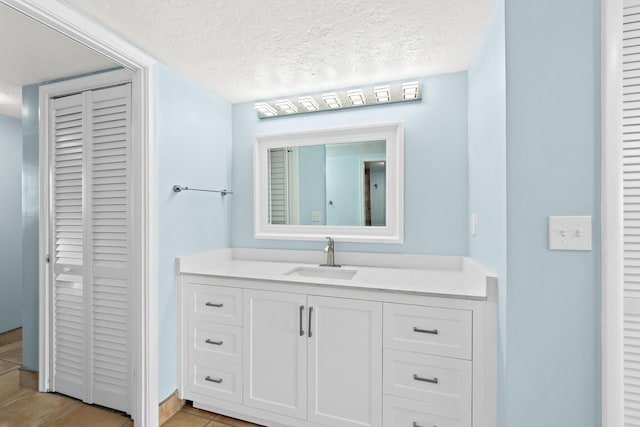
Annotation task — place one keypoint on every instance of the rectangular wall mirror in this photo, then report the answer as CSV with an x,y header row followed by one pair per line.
x,y
345,183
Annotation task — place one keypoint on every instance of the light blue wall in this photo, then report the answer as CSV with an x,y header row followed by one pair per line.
x,y
488,173
553,158
10,223
311,160
343,190
436,177
194,149
30,227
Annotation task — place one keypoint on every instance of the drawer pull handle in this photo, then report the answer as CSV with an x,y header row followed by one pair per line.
x,y
301,313
213,304
425,331
213,380
310,311
433,380
208,341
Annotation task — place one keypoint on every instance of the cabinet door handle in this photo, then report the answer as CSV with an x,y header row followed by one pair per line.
x,y
208,341
213,380
433,380
425,331
213,304
310,311
301,312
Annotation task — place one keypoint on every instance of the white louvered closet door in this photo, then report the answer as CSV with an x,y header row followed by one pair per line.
x,y
278,193
631,193
90,226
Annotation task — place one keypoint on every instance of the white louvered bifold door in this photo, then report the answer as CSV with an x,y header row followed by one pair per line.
x,y
91,230
69,334
631,192
278,194
109,217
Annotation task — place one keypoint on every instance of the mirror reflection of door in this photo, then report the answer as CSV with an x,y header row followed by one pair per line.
x,y
374,193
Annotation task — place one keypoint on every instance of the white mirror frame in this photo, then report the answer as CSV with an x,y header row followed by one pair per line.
x,y
392,232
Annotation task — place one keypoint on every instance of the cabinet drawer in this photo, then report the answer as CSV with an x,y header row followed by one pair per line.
x,y
431,330
441,381
224,342
214,303
217,380
400,412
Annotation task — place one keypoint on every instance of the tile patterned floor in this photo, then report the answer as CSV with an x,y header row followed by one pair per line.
x,y
190,416
23,407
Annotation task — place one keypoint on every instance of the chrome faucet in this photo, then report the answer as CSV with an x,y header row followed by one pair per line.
x,y
331,262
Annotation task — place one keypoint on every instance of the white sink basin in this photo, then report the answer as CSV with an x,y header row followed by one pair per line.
x,y
323,272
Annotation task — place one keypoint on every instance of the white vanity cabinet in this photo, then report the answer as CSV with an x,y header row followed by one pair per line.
x,y
285,353
314,358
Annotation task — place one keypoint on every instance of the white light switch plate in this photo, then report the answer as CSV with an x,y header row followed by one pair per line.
x,y
473,224
316,217
570,233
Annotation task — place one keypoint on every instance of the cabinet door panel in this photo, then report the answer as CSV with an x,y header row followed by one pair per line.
x,y
275,359
345,362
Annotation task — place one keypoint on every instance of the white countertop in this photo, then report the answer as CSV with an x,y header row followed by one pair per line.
x,y
444,276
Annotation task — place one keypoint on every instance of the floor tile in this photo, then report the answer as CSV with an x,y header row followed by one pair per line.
x,y
11,336
33,409
12,353
7,366
184,419
10,387
85,415
188,407
234,422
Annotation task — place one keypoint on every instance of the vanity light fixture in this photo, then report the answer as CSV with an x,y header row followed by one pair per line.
x,y
382,93
332,100
265,109
386,93
308,103
286,106
356,97
410,90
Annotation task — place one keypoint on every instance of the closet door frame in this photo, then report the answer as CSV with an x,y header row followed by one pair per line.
x,y
612,252
66,21
46,95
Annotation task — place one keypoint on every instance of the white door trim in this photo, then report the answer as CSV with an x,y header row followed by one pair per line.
x,y
612,222
78,27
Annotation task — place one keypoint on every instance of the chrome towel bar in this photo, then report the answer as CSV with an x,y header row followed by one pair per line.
x,y
179,188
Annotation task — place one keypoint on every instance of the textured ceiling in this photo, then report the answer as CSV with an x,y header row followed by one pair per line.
x,y
33,53
256,49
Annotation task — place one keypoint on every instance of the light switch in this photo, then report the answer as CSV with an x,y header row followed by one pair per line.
x,y
316,217
473,224
570,233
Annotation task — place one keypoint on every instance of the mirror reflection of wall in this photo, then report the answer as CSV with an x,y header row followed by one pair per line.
x,y
340,184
